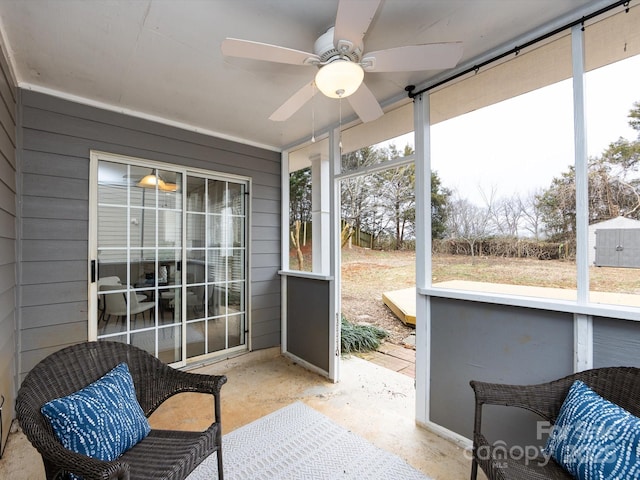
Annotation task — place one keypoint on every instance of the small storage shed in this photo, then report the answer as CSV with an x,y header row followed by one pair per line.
x,y
615,243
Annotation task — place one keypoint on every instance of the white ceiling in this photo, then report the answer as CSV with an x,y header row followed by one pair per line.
x,y
161,58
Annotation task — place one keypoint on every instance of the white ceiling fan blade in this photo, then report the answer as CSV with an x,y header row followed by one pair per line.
x,y
353,19
295,103
414,58
233,47
365,104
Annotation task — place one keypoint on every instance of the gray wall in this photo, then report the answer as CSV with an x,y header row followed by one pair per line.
x,y
616,342
308,302
499,344
57,136
7,245
505,344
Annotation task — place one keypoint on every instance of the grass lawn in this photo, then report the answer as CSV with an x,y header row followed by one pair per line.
x,y
366,274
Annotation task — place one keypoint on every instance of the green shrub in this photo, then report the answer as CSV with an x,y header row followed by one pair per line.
x,y
360,338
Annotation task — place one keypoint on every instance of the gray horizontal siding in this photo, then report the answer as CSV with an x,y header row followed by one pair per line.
x,y
54,229
44,250
265,301
58,187
8,238
7,277
34,273
57,137
268,206
54,314
7,250
52,293
267,287
259,246
55,335
265,233
54,208
8,172
55,165
262,274
264,332
7,196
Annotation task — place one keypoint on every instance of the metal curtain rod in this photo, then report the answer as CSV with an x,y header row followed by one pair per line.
x,y
516,50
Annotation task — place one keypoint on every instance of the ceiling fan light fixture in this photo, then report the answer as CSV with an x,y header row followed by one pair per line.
x,y
339,79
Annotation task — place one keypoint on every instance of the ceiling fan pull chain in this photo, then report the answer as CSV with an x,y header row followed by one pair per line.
x,y
340,123
313,113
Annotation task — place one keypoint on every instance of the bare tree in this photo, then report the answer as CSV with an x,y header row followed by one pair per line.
x,y
468,222
503,212
531,217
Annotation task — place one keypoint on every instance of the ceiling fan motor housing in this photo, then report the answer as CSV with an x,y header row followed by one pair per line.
x,y
328,52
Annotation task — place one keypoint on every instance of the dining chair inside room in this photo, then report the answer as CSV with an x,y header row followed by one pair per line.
x,y
115,304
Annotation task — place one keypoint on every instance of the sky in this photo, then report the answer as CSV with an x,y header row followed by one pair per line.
x,y
520,145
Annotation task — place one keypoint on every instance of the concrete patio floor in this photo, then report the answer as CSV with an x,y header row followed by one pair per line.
x,y
372,401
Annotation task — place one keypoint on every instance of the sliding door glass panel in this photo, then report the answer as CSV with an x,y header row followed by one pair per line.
x,y
196,343
139,245
236,330
144,217
216,223
216,334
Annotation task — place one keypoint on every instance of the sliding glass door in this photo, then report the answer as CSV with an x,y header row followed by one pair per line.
x,y
216,273
169,273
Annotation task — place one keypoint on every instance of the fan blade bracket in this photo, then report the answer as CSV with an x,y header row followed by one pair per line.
x,y
345,46
368,64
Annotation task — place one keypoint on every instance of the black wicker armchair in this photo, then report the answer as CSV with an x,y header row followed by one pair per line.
x,y
163,454
620,385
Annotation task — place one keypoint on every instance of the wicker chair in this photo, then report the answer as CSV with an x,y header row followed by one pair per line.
x,y
620,385
163,454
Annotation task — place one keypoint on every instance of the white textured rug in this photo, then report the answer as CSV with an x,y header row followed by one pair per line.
x,y
299,443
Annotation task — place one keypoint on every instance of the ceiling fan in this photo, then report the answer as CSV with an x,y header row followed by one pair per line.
x,y
342,61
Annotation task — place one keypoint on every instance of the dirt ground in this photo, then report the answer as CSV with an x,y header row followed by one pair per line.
x,y
366,274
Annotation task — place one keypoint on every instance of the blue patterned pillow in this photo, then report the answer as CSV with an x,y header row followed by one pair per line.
x,y
103,420
594,438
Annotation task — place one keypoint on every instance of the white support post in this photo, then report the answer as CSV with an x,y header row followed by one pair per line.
x,y
334,255
423,255
320,213
284,260
583,324
581,165
583,342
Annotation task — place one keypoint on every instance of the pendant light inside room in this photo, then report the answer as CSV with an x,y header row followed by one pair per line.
x,y
152,181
